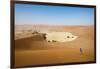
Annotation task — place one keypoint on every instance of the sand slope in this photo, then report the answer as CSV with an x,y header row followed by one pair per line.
x,y
34,50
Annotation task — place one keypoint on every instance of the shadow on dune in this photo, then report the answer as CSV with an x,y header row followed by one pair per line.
x,y
33,42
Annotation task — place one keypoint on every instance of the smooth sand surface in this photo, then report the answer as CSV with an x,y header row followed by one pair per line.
x,y
36,51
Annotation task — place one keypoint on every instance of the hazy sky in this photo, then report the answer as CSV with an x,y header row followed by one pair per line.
x,y
53,15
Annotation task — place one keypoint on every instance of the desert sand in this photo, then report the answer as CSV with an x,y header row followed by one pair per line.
x,y
34,50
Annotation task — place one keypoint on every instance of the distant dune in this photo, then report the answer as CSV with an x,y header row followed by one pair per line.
x,y
26,30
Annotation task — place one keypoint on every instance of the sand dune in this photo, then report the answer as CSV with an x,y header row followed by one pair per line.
x,y
34,50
